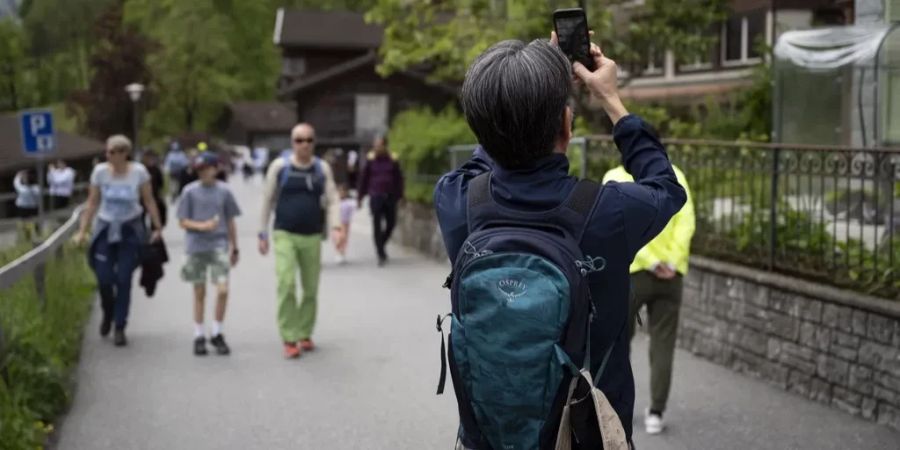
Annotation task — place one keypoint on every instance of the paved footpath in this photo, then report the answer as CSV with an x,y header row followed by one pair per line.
x,y
371,382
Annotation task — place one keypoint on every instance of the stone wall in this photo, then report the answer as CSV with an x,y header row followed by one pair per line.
x,y
835,347
832,346
417,228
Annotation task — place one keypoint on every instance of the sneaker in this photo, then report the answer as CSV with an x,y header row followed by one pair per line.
x,y
341,260
307,345
119,338
653,422
291,351
218,341
105,327
200,346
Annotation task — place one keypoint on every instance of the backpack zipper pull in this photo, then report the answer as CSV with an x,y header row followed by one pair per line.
x,y
443,378
448,283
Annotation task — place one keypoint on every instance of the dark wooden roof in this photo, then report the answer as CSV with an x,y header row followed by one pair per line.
x,y
68,146
263,116
348,66
329,30
366,61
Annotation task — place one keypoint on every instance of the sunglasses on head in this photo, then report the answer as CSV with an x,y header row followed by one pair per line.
x,y
300,140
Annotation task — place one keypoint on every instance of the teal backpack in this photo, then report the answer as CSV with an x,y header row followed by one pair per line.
x,y
521,314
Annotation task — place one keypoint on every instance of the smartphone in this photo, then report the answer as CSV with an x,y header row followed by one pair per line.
x,y
573,33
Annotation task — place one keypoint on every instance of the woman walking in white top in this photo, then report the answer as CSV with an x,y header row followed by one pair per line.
x,y
118,187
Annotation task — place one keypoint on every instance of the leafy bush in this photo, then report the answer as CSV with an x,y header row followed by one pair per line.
x,y
420,137
805,247
40,347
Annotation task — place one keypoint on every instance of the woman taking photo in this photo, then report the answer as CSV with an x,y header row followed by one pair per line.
x,y
117,189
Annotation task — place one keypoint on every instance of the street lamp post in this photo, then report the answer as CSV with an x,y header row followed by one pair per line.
x,y
134,91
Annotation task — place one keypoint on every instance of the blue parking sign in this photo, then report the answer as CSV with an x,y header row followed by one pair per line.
x,y
37,132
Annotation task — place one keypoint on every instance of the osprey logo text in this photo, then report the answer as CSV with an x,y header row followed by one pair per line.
x,y
512,289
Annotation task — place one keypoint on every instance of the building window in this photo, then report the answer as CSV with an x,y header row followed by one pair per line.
x,y
741,36
371,115
293,66
756,33
705,60
732,38
656,62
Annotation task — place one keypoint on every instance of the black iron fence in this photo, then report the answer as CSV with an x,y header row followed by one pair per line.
x,y
830,214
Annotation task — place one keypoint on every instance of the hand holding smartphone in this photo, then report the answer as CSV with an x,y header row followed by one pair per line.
x,y
574,36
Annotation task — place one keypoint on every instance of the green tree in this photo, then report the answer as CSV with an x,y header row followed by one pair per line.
x,y
119,58
446,36
328,5
13,60
194,75
60,42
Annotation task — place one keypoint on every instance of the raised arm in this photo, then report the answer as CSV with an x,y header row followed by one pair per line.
x,y
655,196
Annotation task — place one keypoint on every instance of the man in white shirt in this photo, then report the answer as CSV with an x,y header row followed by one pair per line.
x,y
61,180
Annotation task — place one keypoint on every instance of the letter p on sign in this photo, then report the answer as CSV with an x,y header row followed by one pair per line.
x,y
37,132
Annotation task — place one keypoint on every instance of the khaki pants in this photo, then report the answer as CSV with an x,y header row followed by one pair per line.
x,y
663,301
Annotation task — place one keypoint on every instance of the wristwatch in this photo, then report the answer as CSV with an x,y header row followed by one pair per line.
x,y
263,235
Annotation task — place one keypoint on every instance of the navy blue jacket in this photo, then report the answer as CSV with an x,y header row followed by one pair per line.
x,y
626,217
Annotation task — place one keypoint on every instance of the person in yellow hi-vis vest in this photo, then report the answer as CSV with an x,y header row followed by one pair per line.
x,y
656,275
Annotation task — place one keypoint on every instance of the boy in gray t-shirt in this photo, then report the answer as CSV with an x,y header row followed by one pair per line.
x,y
206,211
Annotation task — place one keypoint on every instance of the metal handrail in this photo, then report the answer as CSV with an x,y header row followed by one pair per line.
x,y
27,263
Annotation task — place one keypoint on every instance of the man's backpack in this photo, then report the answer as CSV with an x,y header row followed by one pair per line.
x,y
286,169
318,174
521,312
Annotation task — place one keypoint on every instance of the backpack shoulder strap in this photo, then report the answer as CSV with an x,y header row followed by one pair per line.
x,y
317,166
573,215
581,201
285,170
478,194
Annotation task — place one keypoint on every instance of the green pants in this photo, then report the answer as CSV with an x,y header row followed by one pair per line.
x,y
292,252
663,300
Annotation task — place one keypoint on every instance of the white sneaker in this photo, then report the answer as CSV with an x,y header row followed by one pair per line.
x,y
341,260
653,423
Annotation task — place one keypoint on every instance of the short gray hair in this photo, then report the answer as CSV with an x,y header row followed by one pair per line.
x,y
119,141
514,98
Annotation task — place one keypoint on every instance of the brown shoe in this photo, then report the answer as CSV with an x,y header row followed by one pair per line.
x,y
291,351
307,345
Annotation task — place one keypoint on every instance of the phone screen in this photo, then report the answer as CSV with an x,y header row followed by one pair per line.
x,y
572,31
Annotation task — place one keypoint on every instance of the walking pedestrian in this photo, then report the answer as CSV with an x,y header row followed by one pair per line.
x,y
27,194
150,160
657,275
61,180
516,220
347,207
206,211
117,189
382,181
300,188
175,163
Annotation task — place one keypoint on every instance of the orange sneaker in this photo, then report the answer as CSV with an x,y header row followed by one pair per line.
x,y
291,351
307,345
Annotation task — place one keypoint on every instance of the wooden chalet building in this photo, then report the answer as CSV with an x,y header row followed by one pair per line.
x,y
328,72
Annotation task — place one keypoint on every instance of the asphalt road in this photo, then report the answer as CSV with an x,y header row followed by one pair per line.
x,y
371,382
